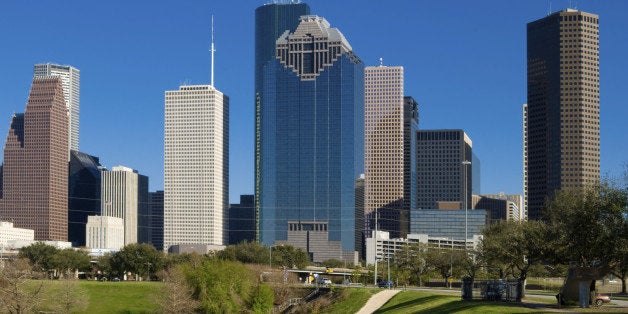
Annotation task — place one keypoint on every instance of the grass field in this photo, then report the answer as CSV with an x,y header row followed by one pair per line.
x,y
107,297
429,302
354,301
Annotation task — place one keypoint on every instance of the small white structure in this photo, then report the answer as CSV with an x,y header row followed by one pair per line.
x,y
10,234
104,232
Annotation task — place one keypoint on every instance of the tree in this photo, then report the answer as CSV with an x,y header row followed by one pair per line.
x,y
587,225
289,257
17,294
333,263
411,263
176,296
221,286
441,261
245,252
139,258
513,247
71,298
40,255
263,299
68,260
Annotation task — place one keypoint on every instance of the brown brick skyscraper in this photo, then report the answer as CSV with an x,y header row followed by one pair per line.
x,y
563,111
35,170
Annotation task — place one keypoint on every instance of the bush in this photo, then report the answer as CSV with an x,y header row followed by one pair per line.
x,y
263,299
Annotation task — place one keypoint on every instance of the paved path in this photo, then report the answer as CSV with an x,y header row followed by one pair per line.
x,y
376,301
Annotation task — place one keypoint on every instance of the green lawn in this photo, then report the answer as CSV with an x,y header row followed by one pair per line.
x,y
108,297
429,302
121,297
353,301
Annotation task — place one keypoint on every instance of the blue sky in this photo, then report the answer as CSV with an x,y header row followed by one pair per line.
x,y
465,63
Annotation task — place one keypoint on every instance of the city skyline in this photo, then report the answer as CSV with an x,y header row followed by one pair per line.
x,y
457,59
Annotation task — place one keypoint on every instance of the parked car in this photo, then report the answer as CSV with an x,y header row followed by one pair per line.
x,y
601,299
324,281
385,284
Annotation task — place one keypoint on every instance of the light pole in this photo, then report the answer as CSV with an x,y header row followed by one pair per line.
x,y
465,163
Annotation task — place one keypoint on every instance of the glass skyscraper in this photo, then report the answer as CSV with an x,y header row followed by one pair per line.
x,y
310,132
271,20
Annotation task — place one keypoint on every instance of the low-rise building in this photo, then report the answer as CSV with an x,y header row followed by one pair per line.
x,y
9,234
104,232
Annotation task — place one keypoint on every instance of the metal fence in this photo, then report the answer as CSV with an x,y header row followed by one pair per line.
x,y
492,290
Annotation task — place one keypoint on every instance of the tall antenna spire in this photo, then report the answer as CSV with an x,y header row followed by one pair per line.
x,y
212,50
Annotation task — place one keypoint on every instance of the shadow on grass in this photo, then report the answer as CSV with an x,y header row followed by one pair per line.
x,y
414,306
410,303
471,306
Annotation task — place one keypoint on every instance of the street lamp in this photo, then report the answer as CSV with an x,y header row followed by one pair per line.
x,y
465,163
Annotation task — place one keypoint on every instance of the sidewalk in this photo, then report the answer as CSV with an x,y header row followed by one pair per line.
x,y
377,301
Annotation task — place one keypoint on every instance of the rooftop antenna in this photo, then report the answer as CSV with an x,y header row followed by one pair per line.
x,y
381,62
212,50
549,11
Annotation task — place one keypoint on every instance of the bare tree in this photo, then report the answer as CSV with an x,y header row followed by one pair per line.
x,y
176,296
18,292
71,297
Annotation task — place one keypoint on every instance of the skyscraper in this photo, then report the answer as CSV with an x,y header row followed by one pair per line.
x,y
196,166
124,194
563,110
443,172
35,170
271,20
71,81
384,148
242,220
311,136
156,205
410,126
83,194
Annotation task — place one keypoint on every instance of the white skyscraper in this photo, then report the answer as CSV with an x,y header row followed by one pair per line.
x,y
71,81
123,193
196,169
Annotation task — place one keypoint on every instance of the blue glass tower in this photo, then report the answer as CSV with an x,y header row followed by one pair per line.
x,y
311,133
271,20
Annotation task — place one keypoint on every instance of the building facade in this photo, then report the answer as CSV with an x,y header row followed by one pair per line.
x,y
271,21
156,205
124,193
444,169
312,141
383,247
500,206
563,109
452,224
83,194
384,141
35,169
104,232
9,233
242,220
196,166
71,82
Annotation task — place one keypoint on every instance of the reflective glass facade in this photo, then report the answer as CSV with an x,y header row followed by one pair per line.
x,y
447,223
271,20
312,137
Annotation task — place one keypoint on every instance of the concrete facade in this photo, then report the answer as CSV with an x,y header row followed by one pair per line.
x,y
196,166
71,83
103,232
35,168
